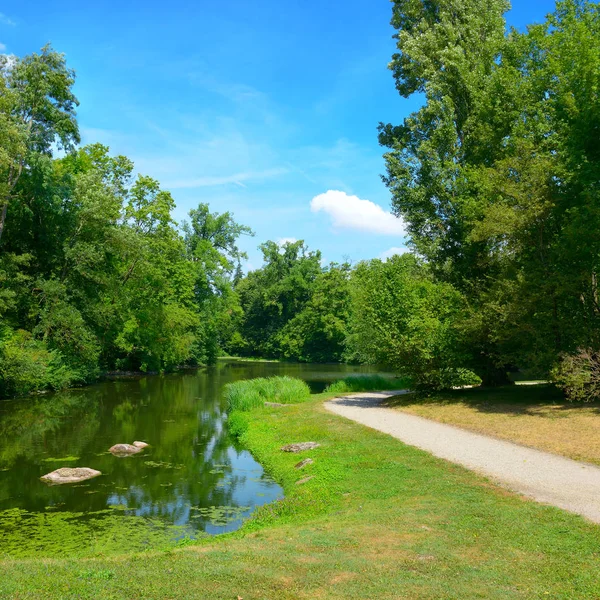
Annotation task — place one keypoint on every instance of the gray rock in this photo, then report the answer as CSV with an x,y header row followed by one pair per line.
x,y
275,404
303,463
69,475
127,449
304,480
300,447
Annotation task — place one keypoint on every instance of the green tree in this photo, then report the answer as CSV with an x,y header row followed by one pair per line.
x,y
404,320
37,108
318,332
211,241
274,294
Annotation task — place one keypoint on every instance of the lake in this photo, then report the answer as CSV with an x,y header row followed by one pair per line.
x,y
193,480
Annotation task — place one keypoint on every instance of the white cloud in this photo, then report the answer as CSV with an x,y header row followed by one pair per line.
x,y
393,252
350,212
286,240
2,47
6,20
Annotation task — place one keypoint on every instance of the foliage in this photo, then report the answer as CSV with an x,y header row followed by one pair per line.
x,y
273,295
318,332
404,320
365,383
37,110
496,175
94,272
248,394
26,364
578,375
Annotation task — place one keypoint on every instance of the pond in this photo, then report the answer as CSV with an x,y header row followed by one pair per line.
x,y
193,480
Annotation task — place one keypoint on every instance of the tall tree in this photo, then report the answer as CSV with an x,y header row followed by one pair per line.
x,y
37,108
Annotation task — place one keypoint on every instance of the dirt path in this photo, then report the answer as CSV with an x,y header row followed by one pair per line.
x,y
548,478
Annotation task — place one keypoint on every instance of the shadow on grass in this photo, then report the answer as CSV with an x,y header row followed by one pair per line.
x,y
533,400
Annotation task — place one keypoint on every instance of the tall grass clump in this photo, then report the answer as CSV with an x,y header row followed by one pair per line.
x,y
365,383
251,393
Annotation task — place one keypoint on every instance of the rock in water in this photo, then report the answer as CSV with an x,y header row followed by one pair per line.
x,y
300,447
69,475
127,449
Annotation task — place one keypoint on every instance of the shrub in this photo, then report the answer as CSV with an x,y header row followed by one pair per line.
x,y
578,375
26,364
365,383
251,393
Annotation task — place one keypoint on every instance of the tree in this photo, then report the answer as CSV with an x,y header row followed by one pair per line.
x,y
403,320
37,108
274,294
318,332
211,242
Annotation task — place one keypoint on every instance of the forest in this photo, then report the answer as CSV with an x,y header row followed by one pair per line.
x,y
497,177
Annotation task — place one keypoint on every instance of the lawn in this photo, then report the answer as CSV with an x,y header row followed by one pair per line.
x,y
535,416
379,520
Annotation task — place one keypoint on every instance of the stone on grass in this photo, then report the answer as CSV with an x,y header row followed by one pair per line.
x,y
275,404
69,475
300,447
304,480
303,463
127,449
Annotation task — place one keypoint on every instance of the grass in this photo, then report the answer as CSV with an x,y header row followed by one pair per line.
x,y
535,416
378,520
250,359
248,394
365,383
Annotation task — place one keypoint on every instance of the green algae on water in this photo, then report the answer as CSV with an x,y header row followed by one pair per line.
x,y
62,533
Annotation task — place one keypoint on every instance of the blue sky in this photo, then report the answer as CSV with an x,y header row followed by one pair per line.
x,y
254,107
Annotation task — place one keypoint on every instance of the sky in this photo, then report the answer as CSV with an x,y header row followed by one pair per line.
x,y
266,109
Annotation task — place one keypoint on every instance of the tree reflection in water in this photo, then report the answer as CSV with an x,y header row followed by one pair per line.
x,y
193,480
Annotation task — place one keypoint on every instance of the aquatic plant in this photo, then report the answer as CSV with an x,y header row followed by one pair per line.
x,y
251,393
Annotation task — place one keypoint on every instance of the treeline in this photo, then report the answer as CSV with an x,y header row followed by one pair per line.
x,y
95,275
394,314
497,177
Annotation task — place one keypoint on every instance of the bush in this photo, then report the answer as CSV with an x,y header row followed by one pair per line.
x,y
578,375
251,393
365,383
26,364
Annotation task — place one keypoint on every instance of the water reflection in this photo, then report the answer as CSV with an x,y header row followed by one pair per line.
x,y
193,480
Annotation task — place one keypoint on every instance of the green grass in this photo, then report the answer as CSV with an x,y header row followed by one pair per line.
x,y
380,520
248,394
250,359
365,383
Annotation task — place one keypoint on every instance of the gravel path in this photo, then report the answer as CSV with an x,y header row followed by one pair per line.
x,y
548,478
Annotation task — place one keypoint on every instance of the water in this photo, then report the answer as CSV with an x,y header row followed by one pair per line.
x,y
194,480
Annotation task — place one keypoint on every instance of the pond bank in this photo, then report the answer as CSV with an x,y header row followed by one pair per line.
x,y
379,519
